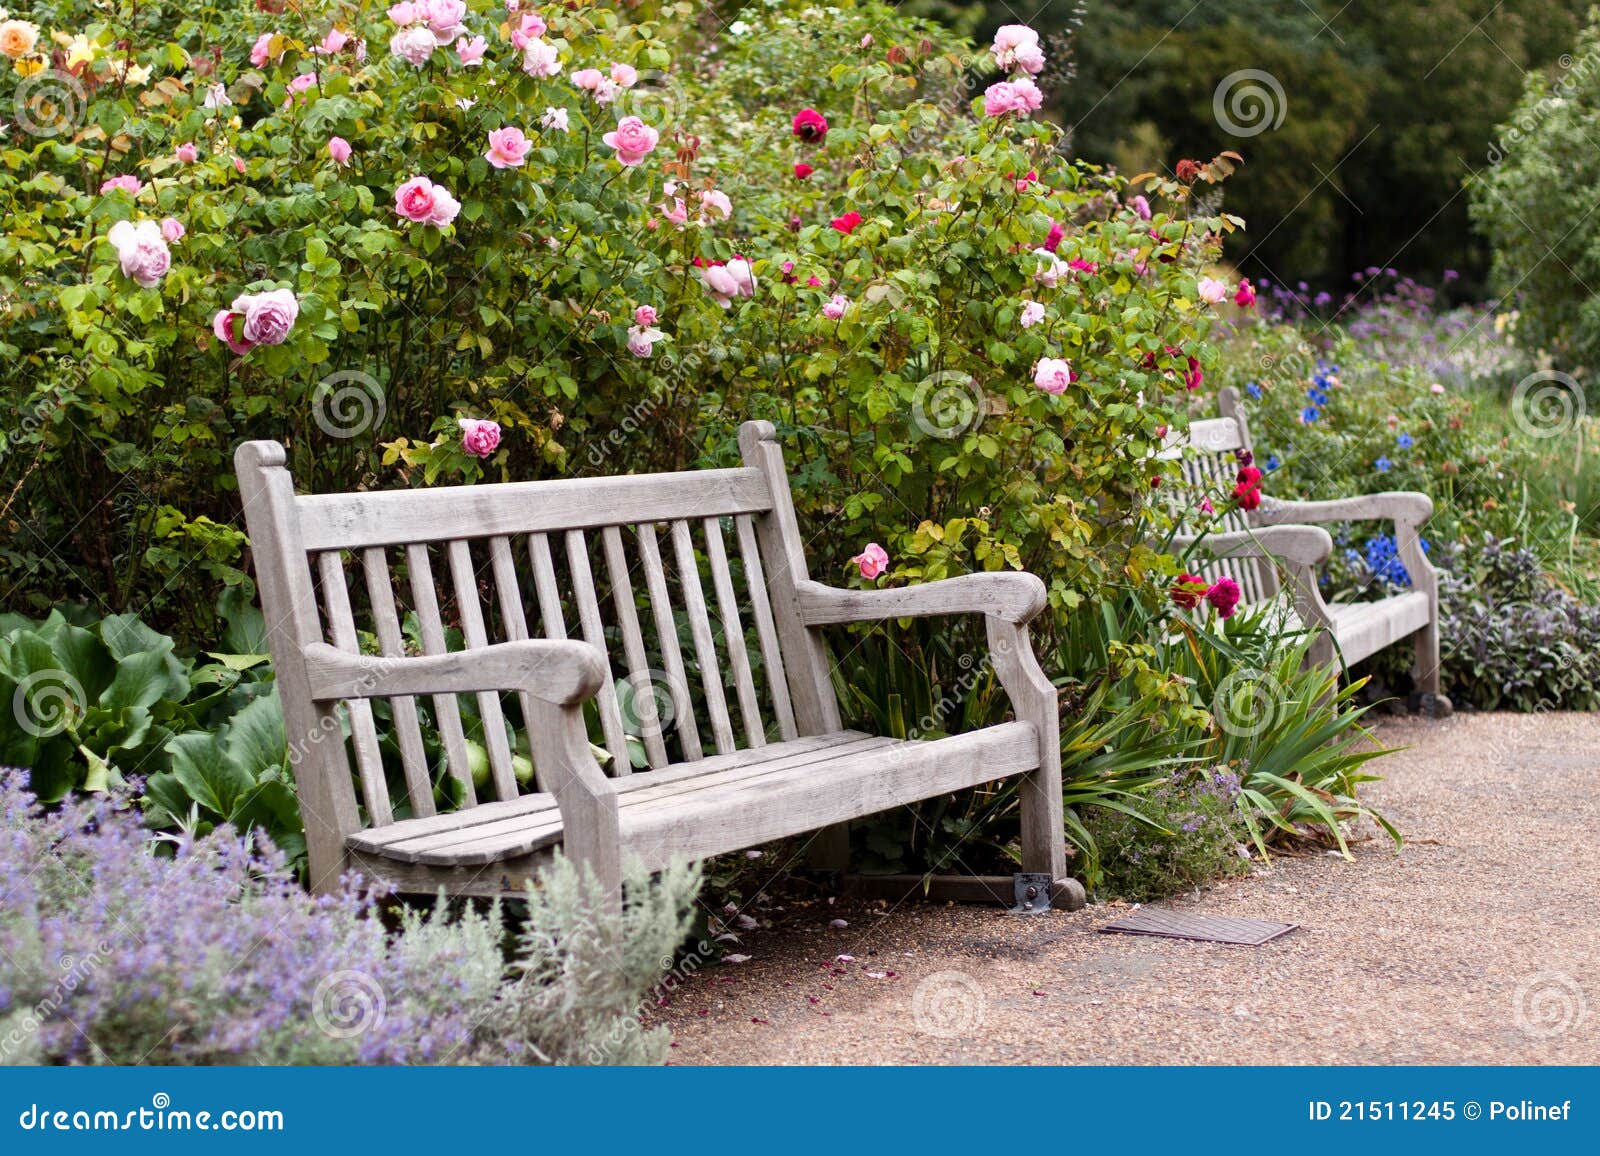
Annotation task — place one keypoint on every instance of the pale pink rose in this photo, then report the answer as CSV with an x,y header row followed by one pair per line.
x,y
1436,388
873,561
444,18
541,58
217,97
633,139
642,340
1051,268
128,183
479,436
715,202
1032,314
1212,291
624,75
606,91
142,250
414,45
300,84
677,212
261,51
554,119
530,27
172,230
339,150
470,52
1015,44
426,203
725,282
645,315
405,13
588,78
1030,59
332,43
188,153
228,325
1052,375
508,148
268,316
835,307
1027,93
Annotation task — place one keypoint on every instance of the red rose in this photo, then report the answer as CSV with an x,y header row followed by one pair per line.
x,y
803,170
1188,170
810,126
1188,590
847,223
1248,489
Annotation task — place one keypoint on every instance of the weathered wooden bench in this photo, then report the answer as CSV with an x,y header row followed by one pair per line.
x,y
660,697
1285,537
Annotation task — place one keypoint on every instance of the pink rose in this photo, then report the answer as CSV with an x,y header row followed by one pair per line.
x,y
261,51
624,75
1017,46
633,139
142,251
645,315
172,230
228,325
300,84
332,43
127,183
1212,291
414,45
1032,314
188,153
1001,98
268,316
1028,94
405,13
479,436
1053,375
1245,295
470,52
541,58
1141,207
588,78
735,279
1051,268
1436,388
872,561
444,19
530,27
836,306
339,150
715,202
1224,597
642,339
426,203
508,148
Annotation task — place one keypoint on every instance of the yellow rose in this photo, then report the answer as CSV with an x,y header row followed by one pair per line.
x,y
17,38
28,65
81,51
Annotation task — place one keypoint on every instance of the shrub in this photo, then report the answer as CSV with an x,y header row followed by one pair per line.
x,y
213,955
1188,830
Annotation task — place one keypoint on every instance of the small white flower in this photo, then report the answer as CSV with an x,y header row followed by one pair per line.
x,y
554,119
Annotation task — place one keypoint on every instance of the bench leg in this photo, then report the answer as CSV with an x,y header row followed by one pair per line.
x,y
829,849
1427,665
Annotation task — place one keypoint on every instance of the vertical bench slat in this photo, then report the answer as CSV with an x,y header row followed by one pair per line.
x,y
733,634
544,584
594,634
655,579
447,712
639,679
465,580
705,647
363,734
766,629
511,611
408,731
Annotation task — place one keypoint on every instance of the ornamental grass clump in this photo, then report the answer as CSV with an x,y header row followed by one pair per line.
x,y
209,953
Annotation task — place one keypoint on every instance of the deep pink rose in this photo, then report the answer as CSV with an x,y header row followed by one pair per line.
x,y
810,126
1224,596
479,436
644,315
228,325
872,561
426,203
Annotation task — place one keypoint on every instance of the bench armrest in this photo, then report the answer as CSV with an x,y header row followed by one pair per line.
x,y
1393,506
1011,596
559,672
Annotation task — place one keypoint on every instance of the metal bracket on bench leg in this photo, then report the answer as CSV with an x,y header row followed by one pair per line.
x,y
1032,892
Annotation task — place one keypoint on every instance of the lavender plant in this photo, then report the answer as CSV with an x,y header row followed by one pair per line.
x,y
112,954
1189,830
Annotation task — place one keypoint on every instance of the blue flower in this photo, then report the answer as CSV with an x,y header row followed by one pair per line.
x,y
1272,462
1310,413
1317,396
1384,465
1423,542
1253,390
1405,441
1384,562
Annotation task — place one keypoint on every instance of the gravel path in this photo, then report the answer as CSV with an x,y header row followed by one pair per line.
x,y
1479,943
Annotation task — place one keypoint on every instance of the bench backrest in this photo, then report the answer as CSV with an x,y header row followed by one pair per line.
x,y
684,580
1206,456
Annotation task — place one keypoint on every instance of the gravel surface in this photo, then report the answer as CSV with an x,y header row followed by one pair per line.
x,y
1479,943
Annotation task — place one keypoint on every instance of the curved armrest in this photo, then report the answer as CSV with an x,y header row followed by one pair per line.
x,y
1298,545
1395,505
559,672
1011,596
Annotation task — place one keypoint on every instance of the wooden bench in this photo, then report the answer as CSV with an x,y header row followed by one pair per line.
x,y
650,669
1285,537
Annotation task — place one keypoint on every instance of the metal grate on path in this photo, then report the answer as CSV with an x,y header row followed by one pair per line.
x,y
1192,925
